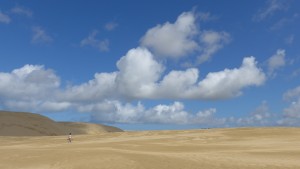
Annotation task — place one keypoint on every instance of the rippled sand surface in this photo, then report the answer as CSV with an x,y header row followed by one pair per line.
x,y
241,148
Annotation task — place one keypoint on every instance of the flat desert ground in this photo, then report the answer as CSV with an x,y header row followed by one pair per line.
x,y
236,148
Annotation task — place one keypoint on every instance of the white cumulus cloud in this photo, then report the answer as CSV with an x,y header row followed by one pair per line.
x,y
173,40
34,88
138,73
140,76
28,81
229,82
175,113
172,114
102,86
27,88
183,37
115,111
176,83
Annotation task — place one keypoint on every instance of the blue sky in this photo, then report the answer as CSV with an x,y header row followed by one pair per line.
x,y
152,64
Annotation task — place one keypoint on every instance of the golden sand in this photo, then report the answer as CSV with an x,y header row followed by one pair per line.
x,y
242,148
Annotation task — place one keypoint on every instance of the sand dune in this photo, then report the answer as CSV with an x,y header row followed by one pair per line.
x,y
87,128
241,148
29,124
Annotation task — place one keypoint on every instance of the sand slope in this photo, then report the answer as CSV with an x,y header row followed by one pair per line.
x,y
241,148
87,128
29,124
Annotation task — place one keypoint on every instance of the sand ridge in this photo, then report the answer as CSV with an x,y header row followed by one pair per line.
x,y
239,148
29,124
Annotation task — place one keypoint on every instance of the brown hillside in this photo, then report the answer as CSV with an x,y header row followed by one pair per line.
x,y
29,124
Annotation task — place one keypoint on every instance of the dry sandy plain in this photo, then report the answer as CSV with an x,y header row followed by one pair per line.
x,y
240,148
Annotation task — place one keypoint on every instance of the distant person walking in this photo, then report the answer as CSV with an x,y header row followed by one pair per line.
x,y
70,138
